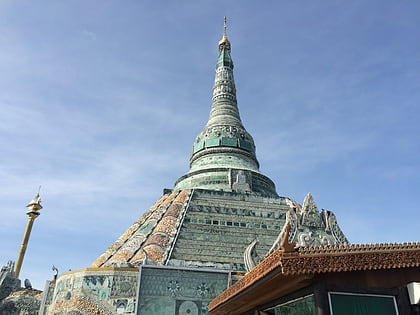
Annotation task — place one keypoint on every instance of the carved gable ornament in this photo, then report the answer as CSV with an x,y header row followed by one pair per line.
x,y
309,227
310,213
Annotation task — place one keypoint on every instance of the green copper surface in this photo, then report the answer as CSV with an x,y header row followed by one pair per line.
x,y
224,59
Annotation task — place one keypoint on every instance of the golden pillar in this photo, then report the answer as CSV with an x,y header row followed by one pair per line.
x,y
33,212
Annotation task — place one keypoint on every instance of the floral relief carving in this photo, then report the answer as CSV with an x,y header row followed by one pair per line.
x,y
202,290
174,288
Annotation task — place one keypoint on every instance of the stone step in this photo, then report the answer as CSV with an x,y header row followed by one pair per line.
x,y
218,229
208,258
216,249
218,246
245,240
245,213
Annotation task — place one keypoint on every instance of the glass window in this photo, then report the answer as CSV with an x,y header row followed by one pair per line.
x,y
301,306
361,304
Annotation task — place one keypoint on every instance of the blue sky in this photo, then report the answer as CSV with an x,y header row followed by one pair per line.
x,y
101,102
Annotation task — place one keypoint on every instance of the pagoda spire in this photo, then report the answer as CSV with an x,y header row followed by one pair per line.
x,y
223,154
224,110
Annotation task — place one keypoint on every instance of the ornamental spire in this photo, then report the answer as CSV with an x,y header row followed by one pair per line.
x,y
224,42
223,156
224,129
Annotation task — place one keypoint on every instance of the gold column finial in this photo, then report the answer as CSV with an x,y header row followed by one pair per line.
x,y
33,212
224,42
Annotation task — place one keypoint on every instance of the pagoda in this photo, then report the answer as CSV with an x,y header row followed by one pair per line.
x,y
218,222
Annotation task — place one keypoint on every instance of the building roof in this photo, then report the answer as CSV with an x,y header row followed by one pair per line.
x,y
292,269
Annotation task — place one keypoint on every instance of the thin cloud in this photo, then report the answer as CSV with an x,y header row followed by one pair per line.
x,y
89,34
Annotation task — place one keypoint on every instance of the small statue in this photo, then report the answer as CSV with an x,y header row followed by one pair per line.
x,y
54,268
27,284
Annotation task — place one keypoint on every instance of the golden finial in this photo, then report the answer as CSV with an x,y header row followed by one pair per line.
x,y
224,42
33,212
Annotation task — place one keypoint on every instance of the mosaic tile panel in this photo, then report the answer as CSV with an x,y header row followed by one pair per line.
x,y
96,291
165,291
